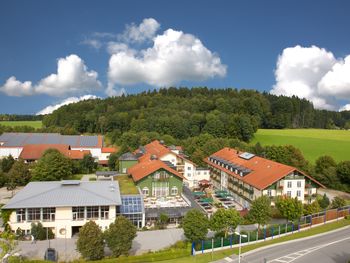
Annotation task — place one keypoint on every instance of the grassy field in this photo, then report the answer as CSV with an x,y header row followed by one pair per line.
x,y
312,142
34,124
126,185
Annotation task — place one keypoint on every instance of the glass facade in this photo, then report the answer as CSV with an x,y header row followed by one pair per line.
x,y
132,208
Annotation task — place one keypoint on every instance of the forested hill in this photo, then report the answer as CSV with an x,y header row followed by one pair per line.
x,y
184,112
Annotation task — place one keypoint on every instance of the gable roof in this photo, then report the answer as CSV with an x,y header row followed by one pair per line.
x,y
66,194
12,139
36,151
158,149
109,150
145,168
262,172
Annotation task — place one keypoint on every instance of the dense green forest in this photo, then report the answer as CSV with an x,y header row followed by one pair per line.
x,y
184,113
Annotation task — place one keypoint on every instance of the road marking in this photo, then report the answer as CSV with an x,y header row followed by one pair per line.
x,y
228,259
303,252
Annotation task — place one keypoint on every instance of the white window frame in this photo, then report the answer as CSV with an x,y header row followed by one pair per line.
x,y
145,191
289,184
174,190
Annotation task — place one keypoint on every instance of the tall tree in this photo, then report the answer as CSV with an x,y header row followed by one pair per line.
x,y
52,166
260,210
119,236
90,242
289,208
195,225
6,163
18,175
225,220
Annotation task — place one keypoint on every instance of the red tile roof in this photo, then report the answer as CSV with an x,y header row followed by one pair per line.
x,y
263,173
146,167
159,150
109,150
36,151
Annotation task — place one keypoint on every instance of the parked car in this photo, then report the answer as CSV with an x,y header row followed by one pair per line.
x,y
51,255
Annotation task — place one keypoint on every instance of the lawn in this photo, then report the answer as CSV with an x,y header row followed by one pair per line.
x,y
34,124
126,184
312,142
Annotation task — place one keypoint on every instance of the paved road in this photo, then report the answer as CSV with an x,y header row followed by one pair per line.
x,y
331,247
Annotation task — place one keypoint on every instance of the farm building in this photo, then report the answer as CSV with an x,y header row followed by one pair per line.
x,y
247,176
31,146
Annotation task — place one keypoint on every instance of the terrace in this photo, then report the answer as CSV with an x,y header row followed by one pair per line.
x,y
161,202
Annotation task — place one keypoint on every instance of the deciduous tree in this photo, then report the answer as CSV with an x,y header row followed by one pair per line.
x,y
119,236
289,208
225,220
260,210
90,242
52,166
195,225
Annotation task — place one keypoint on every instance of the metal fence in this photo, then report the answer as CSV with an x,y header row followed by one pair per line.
x,y
270,232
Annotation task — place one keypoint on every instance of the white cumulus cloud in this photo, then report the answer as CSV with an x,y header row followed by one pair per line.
x,y
313,73
174,57
142,32
51,108
14,87
345,108
72,77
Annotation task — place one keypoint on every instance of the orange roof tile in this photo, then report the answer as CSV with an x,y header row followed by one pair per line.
x,y
263,173
36,151
159,150
109,150
145,168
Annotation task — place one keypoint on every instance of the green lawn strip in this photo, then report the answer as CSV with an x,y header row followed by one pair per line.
x,y
312,142
126,184
34,124
224,253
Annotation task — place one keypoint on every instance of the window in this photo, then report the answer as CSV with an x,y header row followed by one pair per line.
x,y
124,170
188,174
289,193
49,213
78,213
33,214
299,184
104,212
145,191
189,168
21,215
174,190
298,193
289,184
269,192
92,212
205,173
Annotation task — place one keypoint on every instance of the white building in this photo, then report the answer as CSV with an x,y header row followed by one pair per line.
x,y
247,176
65,206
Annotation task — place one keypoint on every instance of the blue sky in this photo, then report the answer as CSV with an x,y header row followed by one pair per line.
x,y
246,36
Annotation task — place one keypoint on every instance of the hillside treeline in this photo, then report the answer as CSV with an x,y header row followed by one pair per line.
x,y
184,113
15,117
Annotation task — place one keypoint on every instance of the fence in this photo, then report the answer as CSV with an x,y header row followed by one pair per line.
x,y
270,232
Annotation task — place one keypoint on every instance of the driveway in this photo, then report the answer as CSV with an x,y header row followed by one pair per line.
x,y
66,248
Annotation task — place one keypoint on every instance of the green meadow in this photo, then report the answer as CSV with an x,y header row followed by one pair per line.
x,y
34,124
312,142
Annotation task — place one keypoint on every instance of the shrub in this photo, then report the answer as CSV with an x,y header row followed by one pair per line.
x,y
41,233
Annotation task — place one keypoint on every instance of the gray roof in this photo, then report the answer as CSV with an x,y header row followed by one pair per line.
x,y
21,139
106,173
128,157
66,193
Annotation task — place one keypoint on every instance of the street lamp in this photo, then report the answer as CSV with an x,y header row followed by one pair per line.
x,y
240,246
